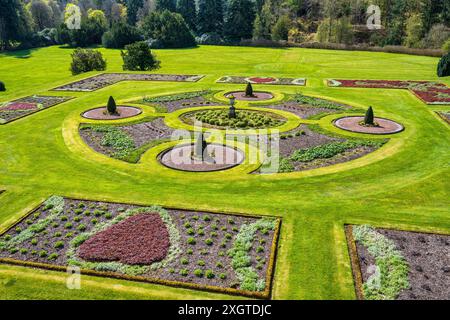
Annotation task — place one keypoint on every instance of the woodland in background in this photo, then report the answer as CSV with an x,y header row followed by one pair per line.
x,y
185,23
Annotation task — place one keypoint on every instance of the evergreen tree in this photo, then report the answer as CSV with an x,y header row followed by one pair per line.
x,y
111,106
444,66
239,19
264,22
280,30
15,22
210,16
133,7
187,9
249,90
162,5
369,118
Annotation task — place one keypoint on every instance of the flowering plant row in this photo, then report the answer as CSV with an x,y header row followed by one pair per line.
x,y
263,80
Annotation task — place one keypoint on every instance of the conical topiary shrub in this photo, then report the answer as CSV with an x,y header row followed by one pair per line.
x,y
249,90
2,86
111,106
368,119
200,146
444,66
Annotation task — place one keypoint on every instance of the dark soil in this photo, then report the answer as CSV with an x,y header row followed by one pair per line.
x,y
428,257
141,133
45,101
107,79
200,226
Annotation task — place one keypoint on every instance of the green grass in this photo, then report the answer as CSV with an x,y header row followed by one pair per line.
x,y
404,184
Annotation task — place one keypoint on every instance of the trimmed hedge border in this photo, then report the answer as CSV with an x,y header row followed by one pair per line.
x,y
439,113
356,267
266,294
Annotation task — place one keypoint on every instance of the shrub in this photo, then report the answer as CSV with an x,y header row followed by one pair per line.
x,y
23,251
184,272
209,242
446,46
206,218
139,57
53,256
57,234
187,225
249,90
189,251
43,253
436,37
222,276
184,261
368,118
64,218
108,215
81,227
76,219
68,225
444,66
2,86
191,241
209,274
59,244
34,241
85,60
201,263
120,35
219,265
190,231
198,273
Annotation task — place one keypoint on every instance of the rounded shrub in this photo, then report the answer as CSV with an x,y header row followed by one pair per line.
x,y
2,86
444,66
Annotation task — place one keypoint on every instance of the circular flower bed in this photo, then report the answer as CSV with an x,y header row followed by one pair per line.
x,y
354,124
122,242
245,119
261,80
220,157
123,112
257,96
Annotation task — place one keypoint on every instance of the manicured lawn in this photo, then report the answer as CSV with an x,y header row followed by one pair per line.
x,y
405,184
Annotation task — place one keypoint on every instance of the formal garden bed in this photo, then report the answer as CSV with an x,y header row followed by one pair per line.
x,y
122,112
393,264
227,253
263,80
257,96
126,142
174,102
307,107
245,119
444,115
356,124
106,79
427,91
22,107
310,147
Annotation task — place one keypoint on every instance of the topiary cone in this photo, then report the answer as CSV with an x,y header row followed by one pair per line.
x,y
111,106
200,146
2,86
249,90
368,119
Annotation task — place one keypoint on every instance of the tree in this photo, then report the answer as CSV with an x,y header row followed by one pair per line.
x,y
168,30
369,118
444,66
84,60
239,20
187,9
200,146
280,30
162,5
15,23
139,57
264,22
133,7
249,90
2,86
111,107
413,31
118,12
210,16
42,14
120,35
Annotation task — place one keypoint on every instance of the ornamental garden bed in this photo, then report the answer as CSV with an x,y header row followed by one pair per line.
x,y
356,124
233,254
263,80
307,107
123,112
126,142
174,102
245,119
310,147
393,264
22,107
427,91
444,115
257,96
106,79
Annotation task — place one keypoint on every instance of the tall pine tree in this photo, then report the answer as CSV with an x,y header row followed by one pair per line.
x,y
169,5
239,20
187,9
133,7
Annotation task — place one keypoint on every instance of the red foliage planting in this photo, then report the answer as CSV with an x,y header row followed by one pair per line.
x,y
19,106
262,80
428,91
139,240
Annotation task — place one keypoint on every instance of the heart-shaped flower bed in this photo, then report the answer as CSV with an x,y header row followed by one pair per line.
x,y
139,240
262,80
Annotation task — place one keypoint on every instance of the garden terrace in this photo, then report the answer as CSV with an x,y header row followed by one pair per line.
x,y
307,107
174,102
413,265
263,80
23,107
106,79
245,119
427,91
309,147
128,141
209,251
